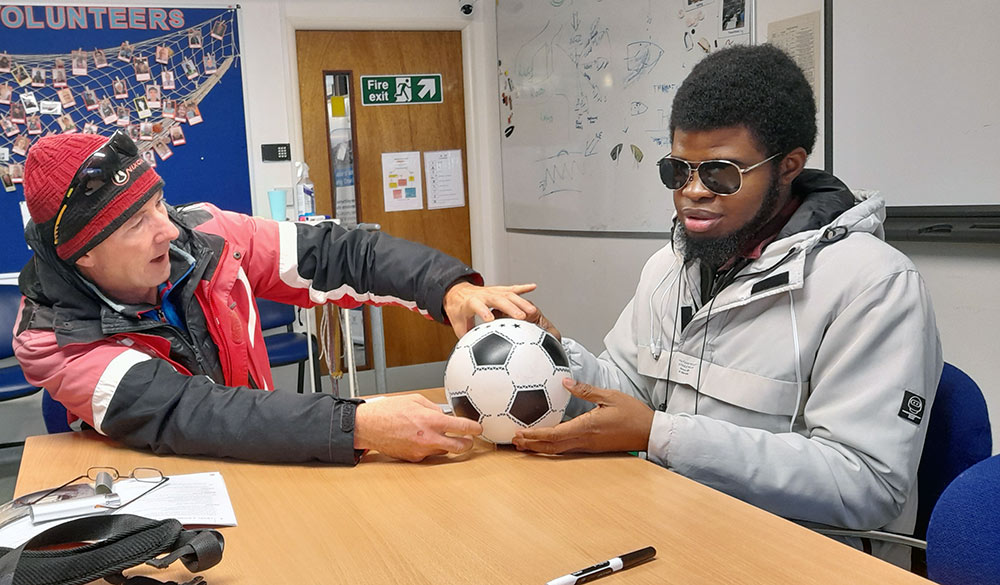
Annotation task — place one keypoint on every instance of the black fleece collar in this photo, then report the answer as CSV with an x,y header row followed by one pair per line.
x,y
824,198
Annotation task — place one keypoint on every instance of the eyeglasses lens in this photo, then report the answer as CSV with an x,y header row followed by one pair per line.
x,y
147,474
674,172
720,177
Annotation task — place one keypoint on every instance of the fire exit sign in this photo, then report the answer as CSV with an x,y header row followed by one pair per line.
x,y
399,90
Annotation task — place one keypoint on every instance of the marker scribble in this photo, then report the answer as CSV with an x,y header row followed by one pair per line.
x,y
560,174
642,57
592,144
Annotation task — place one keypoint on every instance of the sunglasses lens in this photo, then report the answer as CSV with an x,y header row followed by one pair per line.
x,y
120,142
92,180
101,166
720,177
97,171
674,172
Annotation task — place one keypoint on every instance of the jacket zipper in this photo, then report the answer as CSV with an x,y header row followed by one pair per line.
x,y
780,262
188,344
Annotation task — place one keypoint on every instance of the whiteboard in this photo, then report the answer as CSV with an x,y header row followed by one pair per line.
x,y
585,92
916,100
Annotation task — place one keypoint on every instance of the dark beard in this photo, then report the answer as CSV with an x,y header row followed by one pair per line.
x,y
717,251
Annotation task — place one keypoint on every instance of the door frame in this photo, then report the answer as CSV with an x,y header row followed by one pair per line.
x,y
479,58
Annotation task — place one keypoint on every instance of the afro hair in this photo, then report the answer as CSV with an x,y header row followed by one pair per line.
x,y
759,87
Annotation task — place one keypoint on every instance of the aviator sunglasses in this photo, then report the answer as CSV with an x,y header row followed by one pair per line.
x,y
722,177
104,166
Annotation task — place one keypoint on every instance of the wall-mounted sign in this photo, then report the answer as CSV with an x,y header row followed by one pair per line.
x,y
400,90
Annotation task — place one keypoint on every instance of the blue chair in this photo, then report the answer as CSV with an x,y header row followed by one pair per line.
x,y
12,382
288,347
963,538
54,414
958,436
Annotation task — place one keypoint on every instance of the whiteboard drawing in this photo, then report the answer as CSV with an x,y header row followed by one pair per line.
x,y
585,89
642,57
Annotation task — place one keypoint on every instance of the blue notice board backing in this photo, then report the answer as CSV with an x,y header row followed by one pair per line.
x,y
171,77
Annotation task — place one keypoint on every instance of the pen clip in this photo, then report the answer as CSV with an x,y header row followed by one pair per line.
x,y
594,575
588,570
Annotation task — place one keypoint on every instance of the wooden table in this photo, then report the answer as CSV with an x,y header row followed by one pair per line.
x,y
491,516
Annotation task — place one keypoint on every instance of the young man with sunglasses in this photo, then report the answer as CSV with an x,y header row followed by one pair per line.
x,y
777,349
140,318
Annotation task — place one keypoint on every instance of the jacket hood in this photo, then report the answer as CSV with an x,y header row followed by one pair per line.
x,y
79,312
824,198
829,211
50,280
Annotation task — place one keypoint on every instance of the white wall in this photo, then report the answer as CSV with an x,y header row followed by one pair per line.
x,y
584,282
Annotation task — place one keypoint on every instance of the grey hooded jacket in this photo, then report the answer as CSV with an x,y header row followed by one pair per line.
x,y
803,386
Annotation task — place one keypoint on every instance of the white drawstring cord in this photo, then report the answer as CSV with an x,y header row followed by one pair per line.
x,y
654,345
798,366
701,358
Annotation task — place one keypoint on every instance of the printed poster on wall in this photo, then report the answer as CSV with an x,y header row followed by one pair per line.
x,y
445,184
169,77
402,184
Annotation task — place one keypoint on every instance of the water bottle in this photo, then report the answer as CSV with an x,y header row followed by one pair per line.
x,y
305,198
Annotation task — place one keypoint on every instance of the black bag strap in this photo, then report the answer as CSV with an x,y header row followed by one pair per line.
x,y
197,549
116,543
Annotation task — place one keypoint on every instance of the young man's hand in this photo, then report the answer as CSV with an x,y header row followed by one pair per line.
x,y
465,301
410,427
619,423
539,319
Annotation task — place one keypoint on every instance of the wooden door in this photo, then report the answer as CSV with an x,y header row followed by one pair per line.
x,y
409,337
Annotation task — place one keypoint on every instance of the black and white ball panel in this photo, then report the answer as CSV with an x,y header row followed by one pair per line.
x,y
492,350
555,351
462,406
529,405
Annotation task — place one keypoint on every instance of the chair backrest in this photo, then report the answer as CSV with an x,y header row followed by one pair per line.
x,y
273,314
958,436
54,414
12,382
963,538
10,301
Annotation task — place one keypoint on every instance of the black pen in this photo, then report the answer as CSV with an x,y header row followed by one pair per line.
x,y
607,567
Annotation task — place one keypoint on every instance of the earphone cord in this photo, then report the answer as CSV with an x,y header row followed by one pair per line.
x,y
701,358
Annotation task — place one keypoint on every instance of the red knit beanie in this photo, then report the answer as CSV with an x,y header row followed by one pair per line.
x,y
52,163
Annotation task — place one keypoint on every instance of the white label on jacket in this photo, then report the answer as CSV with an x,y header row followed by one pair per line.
x,y
685,370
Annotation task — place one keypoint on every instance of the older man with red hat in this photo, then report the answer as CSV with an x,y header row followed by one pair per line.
x,y
140,317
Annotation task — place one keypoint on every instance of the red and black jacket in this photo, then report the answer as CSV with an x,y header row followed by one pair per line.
x,y
203,390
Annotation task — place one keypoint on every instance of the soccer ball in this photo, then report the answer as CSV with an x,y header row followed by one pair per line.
x,y
507,375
